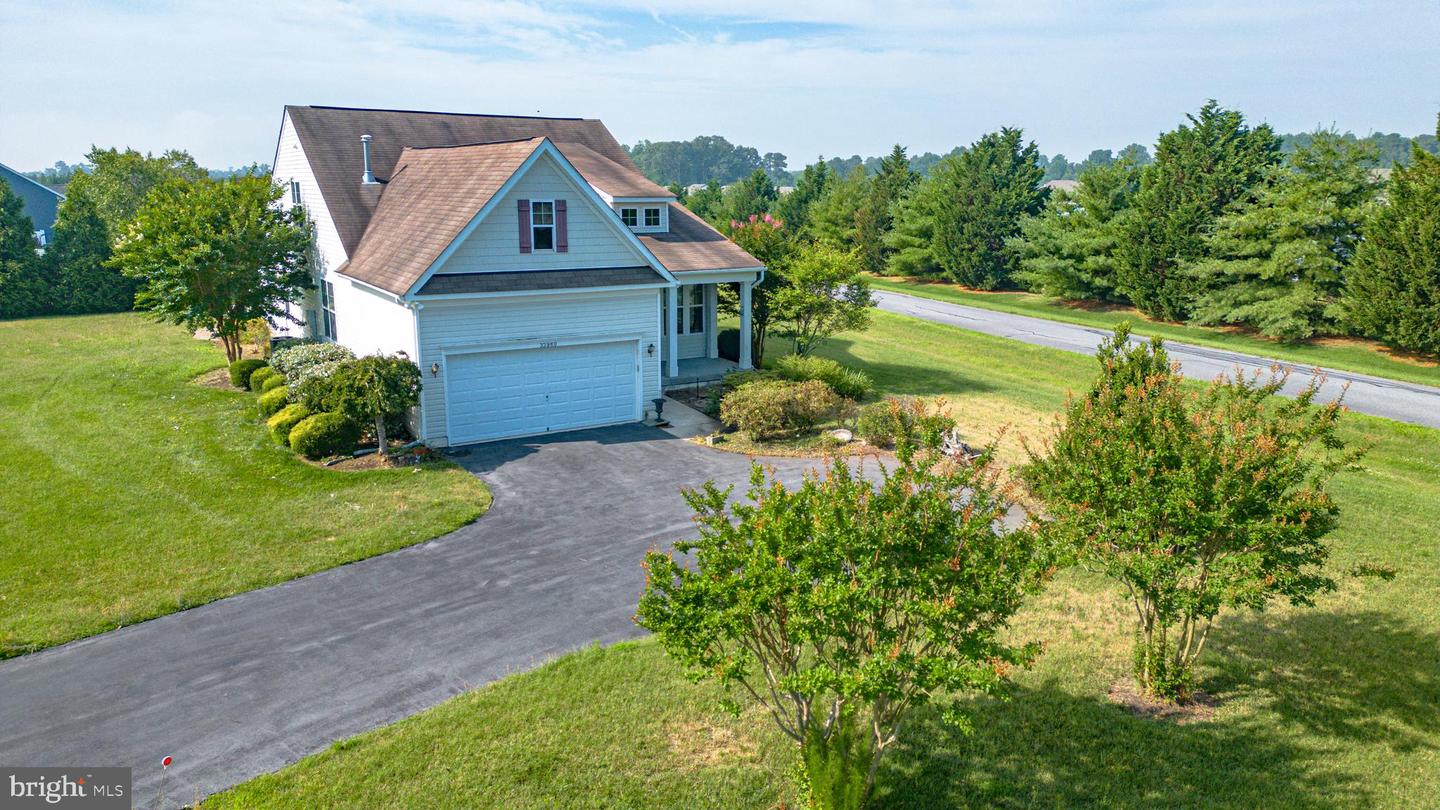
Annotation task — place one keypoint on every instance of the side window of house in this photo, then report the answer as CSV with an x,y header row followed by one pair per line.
x,y
295,192
627,216
690,315
652,217
542,225
327,305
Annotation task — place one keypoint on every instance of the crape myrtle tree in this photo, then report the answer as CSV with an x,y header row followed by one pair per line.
x,y
1194,499
1201,169
841,605
767,239
824,294
214,254
372,389
1392,292
1068,250
1279,265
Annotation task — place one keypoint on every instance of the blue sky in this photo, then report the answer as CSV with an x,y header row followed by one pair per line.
x,y
803,78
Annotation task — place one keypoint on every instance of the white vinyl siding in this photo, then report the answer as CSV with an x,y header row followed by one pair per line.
x,y
292,169
593,241
369,321
454,328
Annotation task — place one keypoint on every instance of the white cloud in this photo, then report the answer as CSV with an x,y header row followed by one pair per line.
x,y
801,78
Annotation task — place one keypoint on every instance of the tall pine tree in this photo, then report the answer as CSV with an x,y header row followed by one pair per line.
x,y
1200,171
24,289
794,208
1068,251
77,260
1279,266
874,217
1393,290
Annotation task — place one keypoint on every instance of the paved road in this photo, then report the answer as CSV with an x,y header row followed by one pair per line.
x,y
1402,401
251,683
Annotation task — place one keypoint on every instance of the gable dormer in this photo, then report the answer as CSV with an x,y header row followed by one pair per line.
x,y
645,215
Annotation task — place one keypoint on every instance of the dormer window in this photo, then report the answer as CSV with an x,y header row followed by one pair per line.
x,y
542,225
652,217
630,216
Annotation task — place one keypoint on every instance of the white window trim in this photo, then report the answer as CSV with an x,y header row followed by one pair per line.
x,y
554,228
295,192
640,209
327,310
684,307
632,210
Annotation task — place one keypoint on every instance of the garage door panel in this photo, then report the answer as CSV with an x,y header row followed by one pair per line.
x,y
530,391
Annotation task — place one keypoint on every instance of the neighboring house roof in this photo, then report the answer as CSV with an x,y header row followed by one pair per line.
x,y
429,193
691,245
40,202
455,283
1066,186
432,195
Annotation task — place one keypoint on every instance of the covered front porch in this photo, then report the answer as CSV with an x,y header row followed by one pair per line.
x,y
690,352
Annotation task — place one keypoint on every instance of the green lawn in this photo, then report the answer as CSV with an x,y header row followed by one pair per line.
x,y
1335,706
1363,356
132,492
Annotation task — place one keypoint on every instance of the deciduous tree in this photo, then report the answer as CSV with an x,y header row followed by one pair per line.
x,y
840,606
372,389
823,294
1193,499
214,254
769,240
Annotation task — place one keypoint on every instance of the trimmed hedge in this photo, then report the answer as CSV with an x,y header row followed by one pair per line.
x,y
241,369
272,401
285,420
846,382
885,423
260,375
270,383
768,408
324,434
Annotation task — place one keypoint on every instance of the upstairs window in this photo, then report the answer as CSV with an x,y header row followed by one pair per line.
x,y
652,217
629,217
542,225
295,192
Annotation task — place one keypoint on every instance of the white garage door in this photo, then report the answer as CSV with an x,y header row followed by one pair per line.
x,y
493,395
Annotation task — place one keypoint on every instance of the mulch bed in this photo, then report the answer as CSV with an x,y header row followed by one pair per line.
x,y
1198,708
216,378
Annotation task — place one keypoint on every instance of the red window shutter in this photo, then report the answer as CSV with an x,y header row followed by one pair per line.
x,y
524,206
562,228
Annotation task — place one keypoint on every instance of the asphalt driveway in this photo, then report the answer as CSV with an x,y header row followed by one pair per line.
x,y
251,683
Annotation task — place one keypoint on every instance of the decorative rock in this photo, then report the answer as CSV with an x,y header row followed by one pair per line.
x,y
841,434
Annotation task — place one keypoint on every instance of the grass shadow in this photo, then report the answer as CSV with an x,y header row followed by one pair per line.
x,y
1047,747
917,379
1362,676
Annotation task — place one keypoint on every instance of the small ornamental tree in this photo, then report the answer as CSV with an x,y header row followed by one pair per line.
x,y
841,605
824,294
1194,499
767,239
216,254
373,388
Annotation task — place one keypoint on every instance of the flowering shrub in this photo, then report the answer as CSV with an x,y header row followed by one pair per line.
x,y
292,361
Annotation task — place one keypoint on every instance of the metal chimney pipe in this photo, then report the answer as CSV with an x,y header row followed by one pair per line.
x,y
369,176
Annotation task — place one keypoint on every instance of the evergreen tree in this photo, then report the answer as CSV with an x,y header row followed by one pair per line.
x,y
974,203
1393,290
708,203
77,259
910,243
794,208
832,217
23,289
1279,266
1068,251
874,217
1200,171
750,197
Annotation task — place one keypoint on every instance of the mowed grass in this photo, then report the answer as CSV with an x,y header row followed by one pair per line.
x,y
1335,706
1349,354
131,491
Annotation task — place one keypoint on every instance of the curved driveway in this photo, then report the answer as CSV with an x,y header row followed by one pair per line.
x,y
251,683
1402,401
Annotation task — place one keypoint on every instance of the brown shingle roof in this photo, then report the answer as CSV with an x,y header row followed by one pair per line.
x,y
604,173
691,244
432,195
330,137
451,283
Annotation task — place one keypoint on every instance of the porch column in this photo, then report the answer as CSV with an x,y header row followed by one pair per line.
x,y
672,341
712,321
745,324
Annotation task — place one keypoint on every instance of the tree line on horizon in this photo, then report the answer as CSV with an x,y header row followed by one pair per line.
x,y
707,158
1222,226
